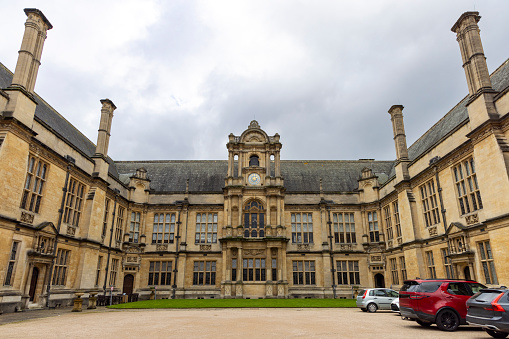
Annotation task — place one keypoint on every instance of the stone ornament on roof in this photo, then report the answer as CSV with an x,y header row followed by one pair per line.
x,y
254,124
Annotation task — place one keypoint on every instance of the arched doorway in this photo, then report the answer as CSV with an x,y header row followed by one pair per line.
x,y
254,220
466,271
379,280
128,284
33,283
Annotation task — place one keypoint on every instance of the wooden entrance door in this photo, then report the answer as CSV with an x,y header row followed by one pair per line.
x,y
33,283
128,284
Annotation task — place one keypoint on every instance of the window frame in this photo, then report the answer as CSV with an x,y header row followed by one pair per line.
x,y
487,262
74,202
119,224
163,228
202,273
35,181
254,269
157,276
348,272
11,264
206,232
134,227
430,262
429,203
373,226
299,235
60,267
304,272
467,189
344,231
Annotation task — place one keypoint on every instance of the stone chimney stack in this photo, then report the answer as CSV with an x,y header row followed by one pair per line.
x,y
29,58
398,128
21,104
103,139
476,69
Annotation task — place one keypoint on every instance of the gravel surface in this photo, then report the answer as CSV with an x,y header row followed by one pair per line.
x,y
223,323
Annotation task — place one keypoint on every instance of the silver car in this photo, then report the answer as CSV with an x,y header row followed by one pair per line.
x,y
373,299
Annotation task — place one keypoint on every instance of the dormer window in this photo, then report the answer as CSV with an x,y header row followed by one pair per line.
x,y
254,161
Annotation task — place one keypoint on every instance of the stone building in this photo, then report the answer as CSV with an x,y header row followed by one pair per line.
x,y
252,226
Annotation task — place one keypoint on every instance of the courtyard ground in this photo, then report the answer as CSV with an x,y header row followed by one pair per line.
x,y
220,323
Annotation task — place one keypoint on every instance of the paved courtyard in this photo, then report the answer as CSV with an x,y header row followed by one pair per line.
x,y
220,323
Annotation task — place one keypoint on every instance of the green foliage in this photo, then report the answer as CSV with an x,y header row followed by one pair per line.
x,y
238,303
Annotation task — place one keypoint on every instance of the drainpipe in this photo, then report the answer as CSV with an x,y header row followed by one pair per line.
x,y
70,163
333,270
117,192
177,238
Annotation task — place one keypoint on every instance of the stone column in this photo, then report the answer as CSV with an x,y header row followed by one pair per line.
x,y
103,139
398,128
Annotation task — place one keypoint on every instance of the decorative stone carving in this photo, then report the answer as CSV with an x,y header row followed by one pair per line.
x,y
228,231
389,244
205,247
234,252
254,252
71,231
346,247
26,217
432,231
279,232
280,290
238,290
161,247
268,290
274,252
303,247
131,259
227,290
472,219
376,258
400,241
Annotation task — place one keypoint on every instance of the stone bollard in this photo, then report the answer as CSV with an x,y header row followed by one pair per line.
x,y
78,302
92,301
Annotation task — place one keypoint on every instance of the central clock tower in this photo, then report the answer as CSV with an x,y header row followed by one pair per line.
x,y
254,216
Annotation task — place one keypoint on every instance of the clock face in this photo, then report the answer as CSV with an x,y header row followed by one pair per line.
x,y
254,179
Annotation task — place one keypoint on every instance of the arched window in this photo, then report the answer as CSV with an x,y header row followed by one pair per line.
x,y
254,161
254,220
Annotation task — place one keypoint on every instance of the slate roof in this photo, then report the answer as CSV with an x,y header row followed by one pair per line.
x,y
300,176
455,117
57,123
208,176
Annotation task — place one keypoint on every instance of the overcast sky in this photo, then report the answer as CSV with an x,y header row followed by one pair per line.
x,y
322,74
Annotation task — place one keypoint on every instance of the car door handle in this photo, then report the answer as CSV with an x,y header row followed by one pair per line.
x,y
375,298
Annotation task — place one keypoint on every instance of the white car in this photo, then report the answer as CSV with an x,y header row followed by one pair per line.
x,y
395,305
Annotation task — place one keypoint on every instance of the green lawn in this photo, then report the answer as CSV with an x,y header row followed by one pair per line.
x,y
236,303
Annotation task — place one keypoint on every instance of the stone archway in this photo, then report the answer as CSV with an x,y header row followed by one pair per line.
x,y
379,280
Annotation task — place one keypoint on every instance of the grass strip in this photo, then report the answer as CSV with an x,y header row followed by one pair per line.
x,y
238,303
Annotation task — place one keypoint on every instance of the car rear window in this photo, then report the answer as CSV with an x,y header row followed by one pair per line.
x,y
475,287
410,286
430,286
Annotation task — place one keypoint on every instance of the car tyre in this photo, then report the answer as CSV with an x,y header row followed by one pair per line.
x,y
372,308
424,323
448,320
497,334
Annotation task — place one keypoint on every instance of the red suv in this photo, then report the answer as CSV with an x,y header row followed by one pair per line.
x,y
440,301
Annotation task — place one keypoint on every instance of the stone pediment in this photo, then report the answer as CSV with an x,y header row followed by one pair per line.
x,y
47,227
455,227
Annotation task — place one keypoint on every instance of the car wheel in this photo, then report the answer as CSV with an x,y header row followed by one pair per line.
x,y
423,323
372,308
448,320
497,334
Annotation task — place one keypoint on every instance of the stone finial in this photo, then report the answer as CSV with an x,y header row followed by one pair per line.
x,y
254,124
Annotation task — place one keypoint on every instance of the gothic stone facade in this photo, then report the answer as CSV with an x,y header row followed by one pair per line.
x,y
252,226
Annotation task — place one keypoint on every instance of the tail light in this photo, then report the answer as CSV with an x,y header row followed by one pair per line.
x,y
364,295
495,306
